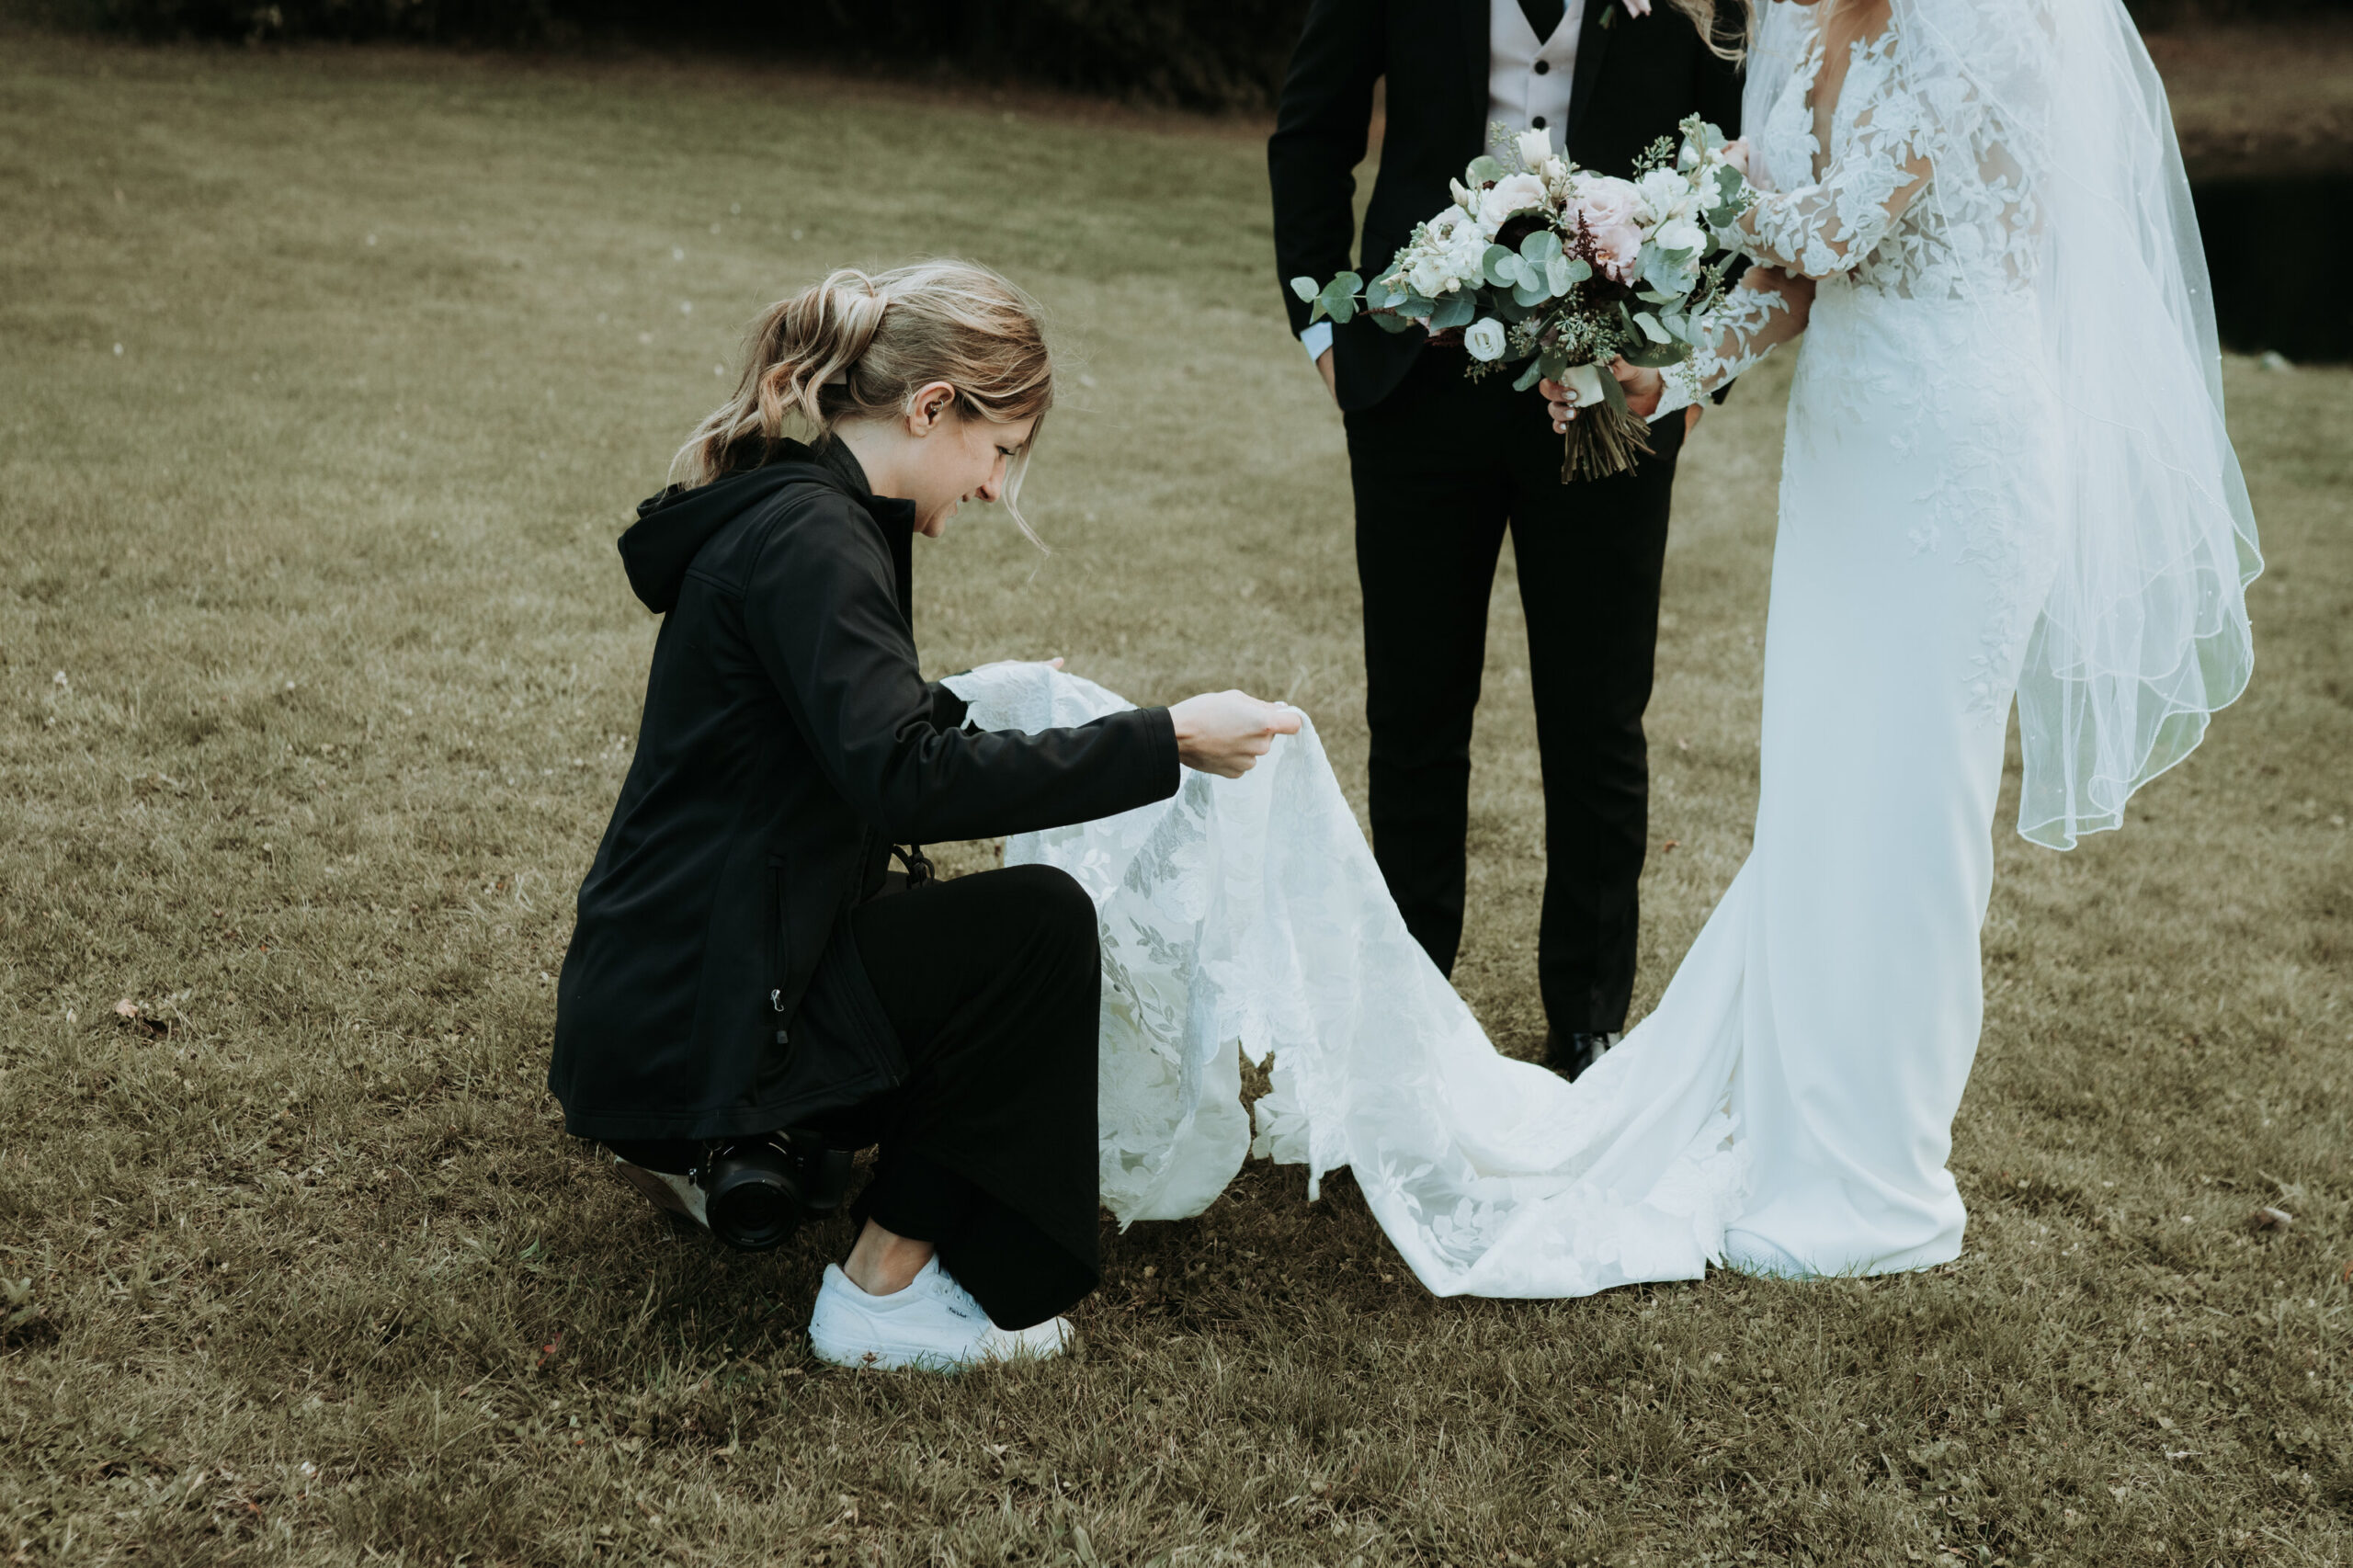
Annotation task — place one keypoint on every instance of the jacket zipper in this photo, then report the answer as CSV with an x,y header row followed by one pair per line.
x,y
776,948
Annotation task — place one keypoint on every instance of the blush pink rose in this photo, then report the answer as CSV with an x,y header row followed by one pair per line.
x,y
1508,198
1608,211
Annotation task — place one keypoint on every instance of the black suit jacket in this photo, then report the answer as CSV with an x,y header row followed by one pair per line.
x,y
1636,78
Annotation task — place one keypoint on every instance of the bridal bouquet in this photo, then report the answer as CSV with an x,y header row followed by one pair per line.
x,y
1543,262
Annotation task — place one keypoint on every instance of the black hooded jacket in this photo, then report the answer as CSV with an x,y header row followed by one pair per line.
x,y
788,741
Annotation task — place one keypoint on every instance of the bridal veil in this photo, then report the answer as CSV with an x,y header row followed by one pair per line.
x,y
2143,631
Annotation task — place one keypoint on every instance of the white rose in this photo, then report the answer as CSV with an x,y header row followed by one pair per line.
x,y
1511,195
1665,192
1681,233
1484,338
1534,147
1428,276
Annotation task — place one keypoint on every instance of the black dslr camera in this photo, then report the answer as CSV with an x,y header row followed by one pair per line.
x,y
758,1190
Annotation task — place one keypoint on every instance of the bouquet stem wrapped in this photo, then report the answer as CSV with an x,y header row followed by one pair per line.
x,y
1562,271
1607,436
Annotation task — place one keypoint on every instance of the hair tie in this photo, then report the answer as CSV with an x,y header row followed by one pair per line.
x,y
881,303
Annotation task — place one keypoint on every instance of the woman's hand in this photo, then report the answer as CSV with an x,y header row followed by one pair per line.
x,y
1643,388
1737,154
1226,733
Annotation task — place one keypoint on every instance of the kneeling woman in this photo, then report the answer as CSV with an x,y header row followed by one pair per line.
x,y
739,998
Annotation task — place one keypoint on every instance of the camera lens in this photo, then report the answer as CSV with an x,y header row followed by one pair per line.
x,y
752,1193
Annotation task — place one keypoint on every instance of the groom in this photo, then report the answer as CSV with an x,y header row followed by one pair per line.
x,y
1442,465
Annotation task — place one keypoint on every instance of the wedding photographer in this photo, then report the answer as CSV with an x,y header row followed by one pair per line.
x,y
750,994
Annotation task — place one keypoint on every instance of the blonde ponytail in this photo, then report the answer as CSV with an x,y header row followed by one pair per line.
x,y
856,346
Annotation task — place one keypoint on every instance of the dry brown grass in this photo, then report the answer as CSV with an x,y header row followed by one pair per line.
x,y
318,673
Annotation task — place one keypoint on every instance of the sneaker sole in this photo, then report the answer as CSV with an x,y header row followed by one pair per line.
x,y
872,1358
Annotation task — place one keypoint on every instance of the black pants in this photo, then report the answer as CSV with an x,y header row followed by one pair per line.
x,y
1442,467
988,1148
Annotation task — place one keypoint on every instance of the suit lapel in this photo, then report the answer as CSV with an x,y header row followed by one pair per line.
x,y
1592,42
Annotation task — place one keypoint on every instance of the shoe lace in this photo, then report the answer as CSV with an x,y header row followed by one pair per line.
x,y
957,1299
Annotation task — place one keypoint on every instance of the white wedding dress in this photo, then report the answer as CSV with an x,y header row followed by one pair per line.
x,y
1970,495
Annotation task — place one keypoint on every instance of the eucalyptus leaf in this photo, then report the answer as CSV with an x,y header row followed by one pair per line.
x,y
1531,294
1342,309
1455,310
1560,275
1531,376
1614,395
1485,170
1655,356
1492,264
1649,327
1540,246
1579,269
1389,323
1304,287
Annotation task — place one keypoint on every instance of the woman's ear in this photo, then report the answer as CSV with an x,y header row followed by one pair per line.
x,y
930,405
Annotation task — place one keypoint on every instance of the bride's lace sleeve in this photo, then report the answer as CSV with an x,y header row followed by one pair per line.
x,y
1831,226
1765,309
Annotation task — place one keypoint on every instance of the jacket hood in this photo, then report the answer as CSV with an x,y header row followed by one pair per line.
x,y
672,528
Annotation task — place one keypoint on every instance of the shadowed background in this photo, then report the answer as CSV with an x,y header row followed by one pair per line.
x,y
326,380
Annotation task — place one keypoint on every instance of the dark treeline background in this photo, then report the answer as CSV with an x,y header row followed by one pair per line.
x,y
1198,53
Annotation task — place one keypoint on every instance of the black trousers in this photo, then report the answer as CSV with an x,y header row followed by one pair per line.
x,y
1441,468
987,1150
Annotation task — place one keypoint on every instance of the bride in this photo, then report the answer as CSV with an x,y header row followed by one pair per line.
x,y
2006,477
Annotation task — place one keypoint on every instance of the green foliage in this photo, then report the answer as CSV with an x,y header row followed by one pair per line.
x,y
1455,310
1202,53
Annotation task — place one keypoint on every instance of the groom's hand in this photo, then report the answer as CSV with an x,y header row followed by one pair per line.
x,y
1226,733
1324,369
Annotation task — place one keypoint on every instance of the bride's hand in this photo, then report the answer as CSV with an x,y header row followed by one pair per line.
x,y
1643,388
1737,154
1226,733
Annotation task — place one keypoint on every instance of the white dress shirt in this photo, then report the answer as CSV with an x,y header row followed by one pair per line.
x,y
1529,82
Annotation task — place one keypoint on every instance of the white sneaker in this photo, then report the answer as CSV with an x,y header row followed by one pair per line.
x,y
674,1193
934,1323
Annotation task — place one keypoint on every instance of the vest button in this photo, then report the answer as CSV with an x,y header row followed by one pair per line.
x,y
1543,68
1537,124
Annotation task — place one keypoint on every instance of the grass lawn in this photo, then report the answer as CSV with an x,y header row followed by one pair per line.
x,y
326,381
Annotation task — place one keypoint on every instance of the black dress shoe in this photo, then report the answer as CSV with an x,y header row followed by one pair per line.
x,y
1570,1054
